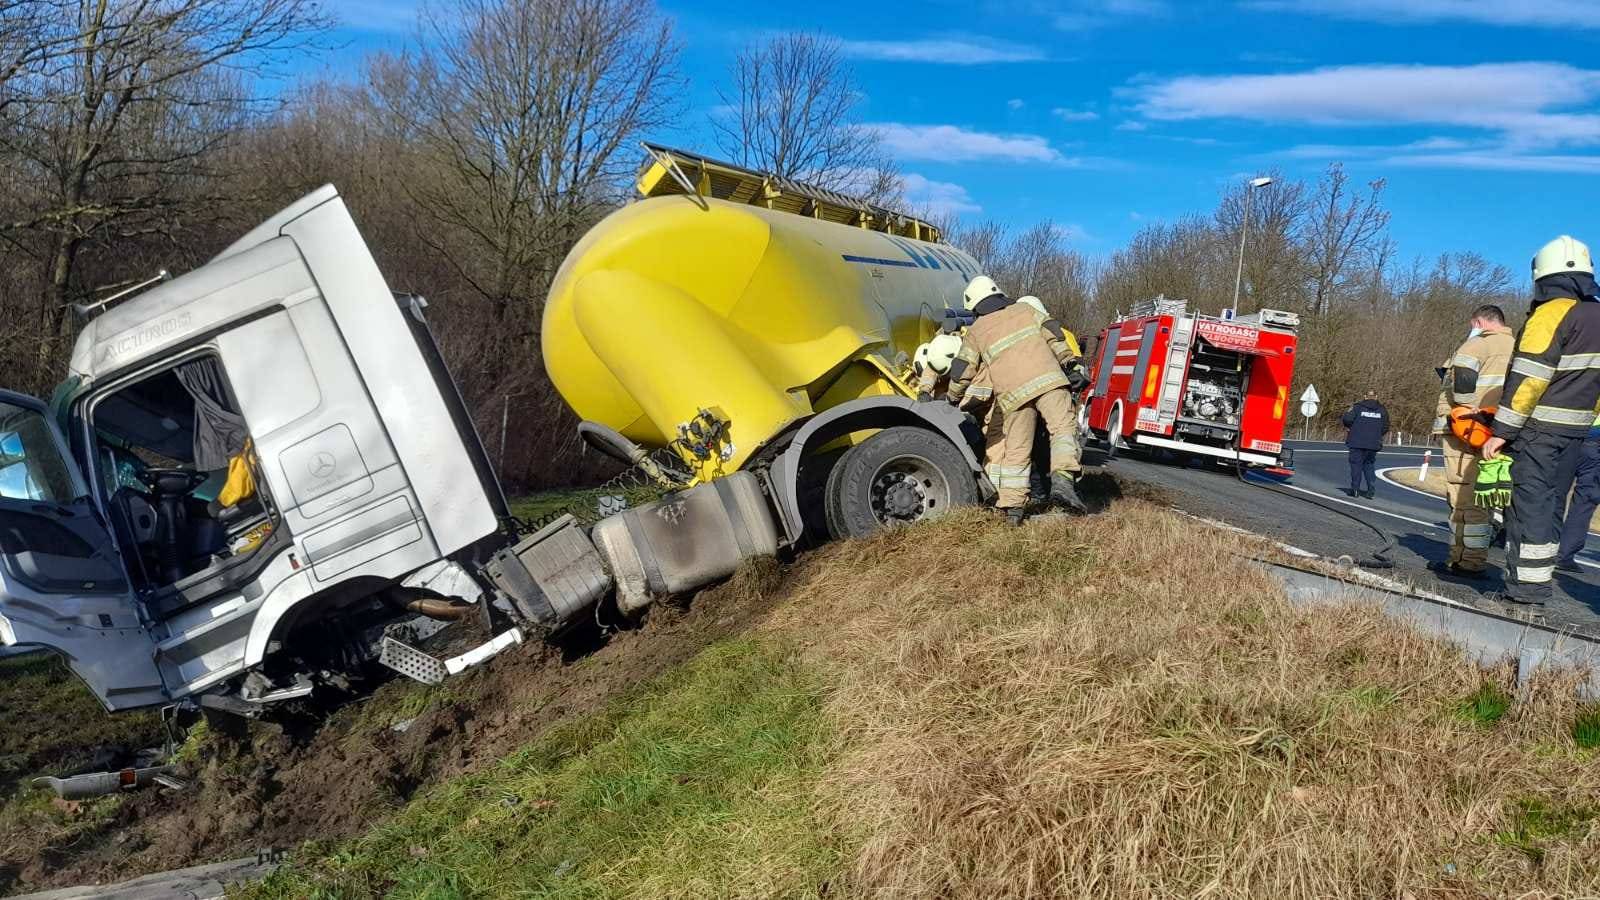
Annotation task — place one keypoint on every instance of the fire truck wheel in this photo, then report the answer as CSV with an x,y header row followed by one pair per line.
x,y
898,476
1114,432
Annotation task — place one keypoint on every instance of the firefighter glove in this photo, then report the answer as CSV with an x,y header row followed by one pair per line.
x,y
1493,490
923,396
1077,379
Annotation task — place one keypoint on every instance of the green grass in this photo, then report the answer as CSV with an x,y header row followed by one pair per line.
x,y
580,503
1586,727
49,721
1536,822
696,785
1485,706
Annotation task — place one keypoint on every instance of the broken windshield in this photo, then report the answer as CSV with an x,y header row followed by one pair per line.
x,y
32,463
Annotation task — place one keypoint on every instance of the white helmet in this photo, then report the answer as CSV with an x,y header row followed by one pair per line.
x,y
942,352
919,359
978,290
1036,303
1564,254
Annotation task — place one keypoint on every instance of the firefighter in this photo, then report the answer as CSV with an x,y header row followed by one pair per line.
x,y
1009,341
1071,358
1548,404
1471,381
933,364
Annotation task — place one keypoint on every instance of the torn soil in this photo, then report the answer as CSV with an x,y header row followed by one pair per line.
x,y
282,784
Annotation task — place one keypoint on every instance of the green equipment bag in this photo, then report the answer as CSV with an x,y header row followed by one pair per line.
x,y
1493,490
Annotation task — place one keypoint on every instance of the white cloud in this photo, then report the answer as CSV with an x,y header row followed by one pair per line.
x,y
1014,103
1569,15
1500,161
1074,115
1525,102
952,143
948,51
1132,125
938,198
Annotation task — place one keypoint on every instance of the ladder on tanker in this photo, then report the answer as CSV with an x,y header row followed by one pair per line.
x,y
668,172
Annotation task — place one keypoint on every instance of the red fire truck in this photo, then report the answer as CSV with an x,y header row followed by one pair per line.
x,y
1213,386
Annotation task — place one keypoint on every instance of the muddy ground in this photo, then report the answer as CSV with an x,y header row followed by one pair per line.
x,y
285,783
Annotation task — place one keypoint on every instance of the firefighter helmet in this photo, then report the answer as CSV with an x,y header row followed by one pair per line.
x,y
942,352
919,359
1471,425
1036,303
1564,254
978,290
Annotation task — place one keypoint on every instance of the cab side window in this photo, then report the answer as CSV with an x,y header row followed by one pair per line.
x,y
31,465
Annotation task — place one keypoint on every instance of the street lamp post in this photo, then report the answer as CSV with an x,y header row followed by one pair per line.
x,y
1244,229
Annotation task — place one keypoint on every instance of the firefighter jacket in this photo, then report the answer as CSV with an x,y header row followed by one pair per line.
x,y
1553,385
1010,340
1474,374
978,393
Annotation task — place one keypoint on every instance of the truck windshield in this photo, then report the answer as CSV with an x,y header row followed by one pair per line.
x,y
31,463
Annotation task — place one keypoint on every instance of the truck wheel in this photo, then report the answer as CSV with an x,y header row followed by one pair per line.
x,y
1114,432
833,513
898,476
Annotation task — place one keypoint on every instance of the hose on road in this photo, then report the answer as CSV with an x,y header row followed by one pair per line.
x,y
1379,559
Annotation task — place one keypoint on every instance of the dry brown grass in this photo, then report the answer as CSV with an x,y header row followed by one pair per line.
x,y
1117,706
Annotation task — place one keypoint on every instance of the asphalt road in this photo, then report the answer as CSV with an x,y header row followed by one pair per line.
x,y
1416,522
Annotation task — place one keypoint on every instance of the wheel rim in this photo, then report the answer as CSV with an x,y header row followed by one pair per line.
x,y
906,489
1114,429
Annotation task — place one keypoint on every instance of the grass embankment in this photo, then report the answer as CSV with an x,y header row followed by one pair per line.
x,y
50,723
1104,706
1435,484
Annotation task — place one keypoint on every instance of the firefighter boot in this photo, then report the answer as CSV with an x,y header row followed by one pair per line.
x,y
1015,516
1064,490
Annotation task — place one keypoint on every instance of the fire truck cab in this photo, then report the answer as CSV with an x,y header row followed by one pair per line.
x,y
1213,386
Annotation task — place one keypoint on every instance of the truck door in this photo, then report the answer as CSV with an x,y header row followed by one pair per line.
x,y
63,586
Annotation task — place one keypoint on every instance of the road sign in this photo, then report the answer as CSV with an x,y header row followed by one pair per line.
x,y
1308,409
1310,396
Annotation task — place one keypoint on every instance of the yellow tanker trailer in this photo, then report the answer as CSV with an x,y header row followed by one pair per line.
x,y
755,326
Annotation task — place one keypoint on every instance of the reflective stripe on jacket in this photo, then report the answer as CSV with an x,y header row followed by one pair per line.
x,y
1553,384
1011,343
1475,374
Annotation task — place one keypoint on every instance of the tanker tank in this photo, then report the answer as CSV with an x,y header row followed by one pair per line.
x,y
683,301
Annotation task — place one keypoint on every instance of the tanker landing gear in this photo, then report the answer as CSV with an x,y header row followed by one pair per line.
x,y
898,476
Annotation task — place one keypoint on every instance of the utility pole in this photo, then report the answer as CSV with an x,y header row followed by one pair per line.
x,y
1244,229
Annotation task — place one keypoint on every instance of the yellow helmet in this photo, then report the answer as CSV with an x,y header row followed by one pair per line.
x,y
942,352
1564,254
978,290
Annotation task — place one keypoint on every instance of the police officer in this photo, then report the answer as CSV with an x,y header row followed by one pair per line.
x,y
1548,404
1471,381
1367,422
1009,341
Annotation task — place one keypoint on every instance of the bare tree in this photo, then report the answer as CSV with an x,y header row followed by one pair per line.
x,y
524,107
791,110
1342,230
1273,265
118,135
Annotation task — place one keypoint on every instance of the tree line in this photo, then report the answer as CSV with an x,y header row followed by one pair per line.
x,y
137,135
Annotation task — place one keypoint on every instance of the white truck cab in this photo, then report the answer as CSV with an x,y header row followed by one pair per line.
x,y
286,367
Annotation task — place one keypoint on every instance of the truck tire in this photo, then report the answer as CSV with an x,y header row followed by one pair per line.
x,y
1114,431
833,513
898,476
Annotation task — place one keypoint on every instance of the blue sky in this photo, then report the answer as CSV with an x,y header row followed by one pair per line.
x,y
1483,115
